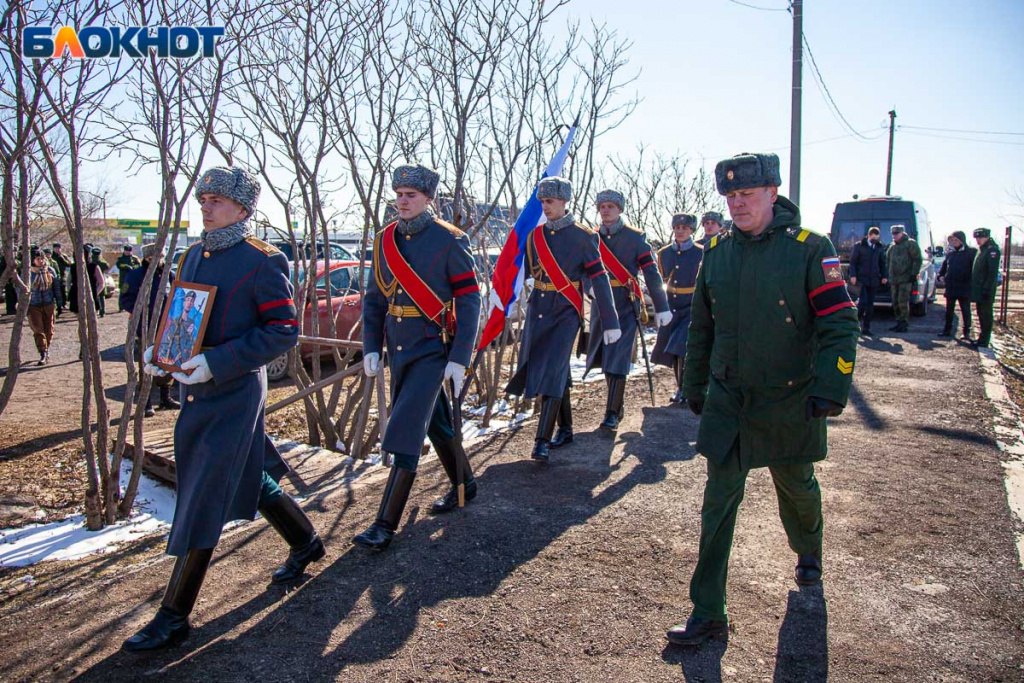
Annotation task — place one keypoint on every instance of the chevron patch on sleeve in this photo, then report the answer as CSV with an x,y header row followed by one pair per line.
x,y
844,367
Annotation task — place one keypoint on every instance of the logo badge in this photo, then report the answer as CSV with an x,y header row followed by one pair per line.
x,y
833,271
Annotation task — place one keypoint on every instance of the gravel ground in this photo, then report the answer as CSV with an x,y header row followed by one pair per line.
x,y
572,572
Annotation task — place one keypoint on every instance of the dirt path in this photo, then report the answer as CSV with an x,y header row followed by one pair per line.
x,y
573,572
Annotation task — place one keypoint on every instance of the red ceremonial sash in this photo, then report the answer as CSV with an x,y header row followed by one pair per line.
x,y
423,297
558,277
619,271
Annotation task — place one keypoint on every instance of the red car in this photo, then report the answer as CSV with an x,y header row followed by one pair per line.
x,y
346,302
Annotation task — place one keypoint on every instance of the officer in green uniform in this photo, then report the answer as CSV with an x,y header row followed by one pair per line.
x,y
903,260
770,354
125,262
984,277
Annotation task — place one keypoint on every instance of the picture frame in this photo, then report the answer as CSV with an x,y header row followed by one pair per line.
x,y
183,324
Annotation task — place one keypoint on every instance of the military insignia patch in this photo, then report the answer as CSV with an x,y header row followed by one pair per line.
x,y
994,255
844,367
833,271
730,175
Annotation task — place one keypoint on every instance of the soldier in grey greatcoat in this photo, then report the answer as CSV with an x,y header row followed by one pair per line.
x,y
430,261
226,466
629,247
679,263
554,317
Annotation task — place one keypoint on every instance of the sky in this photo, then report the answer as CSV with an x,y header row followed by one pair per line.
x,y
714,77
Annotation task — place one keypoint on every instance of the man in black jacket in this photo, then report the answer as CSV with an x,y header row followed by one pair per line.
x,y
867,269
956,273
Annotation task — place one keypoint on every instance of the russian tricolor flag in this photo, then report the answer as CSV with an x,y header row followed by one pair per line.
x,y
507,281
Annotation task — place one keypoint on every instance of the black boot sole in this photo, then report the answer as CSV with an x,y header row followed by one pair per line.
x,y
296,573
378,547
717,634
177,639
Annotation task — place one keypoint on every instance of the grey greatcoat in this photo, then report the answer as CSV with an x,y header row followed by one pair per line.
x,y
631,248
417,354
552,323
679,268
220,447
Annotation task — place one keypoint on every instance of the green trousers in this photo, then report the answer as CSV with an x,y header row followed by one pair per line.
x,y
986,315
800,510
901,301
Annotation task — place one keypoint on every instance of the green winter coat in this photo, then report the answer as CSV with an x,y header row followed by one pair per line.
x,y
772,325
985,272
904,261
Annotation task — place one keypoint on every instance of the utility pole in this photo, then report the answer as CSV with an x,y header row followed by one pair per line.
x,y
794,129
888,169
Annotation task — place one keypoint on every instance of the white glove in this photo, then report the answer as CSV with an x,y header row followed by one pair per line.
x,y
148,367
612,336
200,371
371,364
457,374
663,318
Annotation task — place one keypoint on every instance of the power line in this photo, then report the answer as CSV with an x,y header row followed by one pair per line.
x,y
958,130
763,9
955,137
827,94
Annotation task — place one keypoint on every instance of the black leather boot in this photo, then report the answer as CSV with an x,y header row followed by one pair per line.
x,y
149,412
288,519
451,454
564,435
170,626
678,370
545,426
695,631
396,495
616,393
166,401
808,570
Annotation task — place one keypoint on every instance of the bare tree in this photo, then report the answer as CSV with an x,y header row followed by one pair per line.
x,y
20,96
75,96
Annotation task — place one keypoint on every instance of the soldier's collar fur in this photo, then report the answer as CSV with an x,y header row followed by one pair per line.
x,y
418,224
612,229
559,223
224,238
683,246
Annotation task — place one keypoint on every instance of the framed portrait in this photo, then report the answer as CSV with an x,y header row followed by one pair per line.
x,y
185,317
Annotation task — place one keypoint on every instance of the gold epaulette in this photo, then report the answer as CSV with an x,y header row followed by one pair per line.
x,y
268,249
585,229
450,228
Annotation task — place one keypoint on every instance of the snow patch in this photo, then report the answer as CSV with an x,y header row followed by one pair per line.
x,y
70,540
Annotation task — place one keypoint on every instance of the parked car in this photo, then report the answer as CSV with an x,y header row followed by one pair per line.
x,y
338,252
341,288
850,224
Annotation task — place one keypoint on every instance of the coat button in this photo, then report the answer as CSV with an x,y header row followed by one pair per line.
x,y
408,237
782,302
399,347
206,254
789,383
788,319
191,398
399,290
540,315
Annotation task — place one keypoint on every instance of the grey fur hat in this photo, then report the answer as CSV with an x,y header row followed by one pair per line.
x,y
982,232
233,182
612,196
684,220
554,187
417,176
897,229
747,170
713,216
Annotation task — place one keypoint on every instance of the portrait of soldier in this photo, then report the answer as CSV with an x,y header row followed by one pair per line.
x,y
180,335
